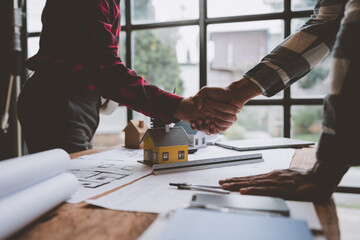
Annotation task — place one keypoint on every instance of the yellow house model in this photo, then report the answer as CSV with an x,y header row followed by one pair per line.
x,y
165,145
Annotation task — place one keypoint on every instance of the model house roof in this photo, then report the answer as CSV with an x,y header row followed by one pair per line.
x,y
139,125
175,137
187,127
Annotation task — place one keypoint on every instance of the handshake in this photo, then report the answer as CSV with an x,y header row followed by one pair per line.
x,y
213,109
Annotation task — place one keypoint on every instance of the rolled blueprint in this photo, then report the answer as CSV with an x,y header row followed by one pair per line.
x,y
19,173
22,207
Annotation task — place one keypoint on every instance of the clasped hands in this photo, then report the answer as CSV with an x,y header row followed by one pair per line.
x,y
213,109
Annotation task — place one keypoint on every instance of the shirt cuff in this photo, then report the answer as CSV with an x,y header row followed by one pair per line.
x,y
266,78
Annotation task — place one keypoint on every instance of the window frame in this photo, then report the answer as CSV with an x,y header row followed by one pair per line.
x,y
165,156
286,15
181,154
286,102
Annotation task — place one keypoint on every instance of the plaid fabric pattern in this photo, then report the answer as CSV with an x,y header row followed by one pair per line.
x,y
80,40
301,51
339,142
334,24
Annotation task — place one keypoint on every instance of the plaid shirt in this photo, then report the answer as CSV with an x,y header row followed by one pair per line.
x,y
334,24
80,40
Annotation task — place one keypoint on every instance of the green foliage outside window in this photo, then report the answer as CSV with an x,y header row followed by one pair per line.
x,y
155,55
306,123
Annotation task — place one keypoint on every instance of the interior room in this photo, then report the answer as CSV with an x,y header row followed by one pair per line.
x,y
179,46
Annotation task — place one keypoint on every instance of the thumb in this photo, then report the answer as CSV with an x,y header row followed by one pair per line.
x,y
239,103
213,93
198,101
217,94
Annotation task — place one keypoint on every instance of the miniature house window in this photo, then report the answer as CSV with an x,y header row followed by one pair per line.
x,y
146,154
165,156
155,157
181,155
203,140
196,141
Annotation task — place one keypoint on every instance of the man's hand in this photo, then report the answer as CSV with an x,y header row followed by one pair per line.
x,y
220,114
236,94
211,93
288,184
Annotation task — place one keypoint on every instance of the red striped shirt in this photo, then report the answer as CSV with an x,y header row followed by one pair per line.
x,y
80,39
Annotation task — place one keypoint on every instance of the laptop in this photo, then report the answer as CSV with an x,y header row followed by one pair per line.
x,y
266,143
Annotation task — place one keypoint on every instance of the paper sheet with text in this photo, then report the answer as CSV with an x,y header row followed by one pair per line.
x,y
153,193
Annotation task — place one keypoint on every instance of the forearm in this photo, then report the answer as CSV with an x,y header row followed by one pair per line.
x,y
241,91
127,88
301,51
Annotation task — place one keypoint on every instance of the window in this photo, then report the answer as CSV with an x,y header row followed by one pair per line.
x,y
180,41
203,140
181,155
195,43
196,141
165,156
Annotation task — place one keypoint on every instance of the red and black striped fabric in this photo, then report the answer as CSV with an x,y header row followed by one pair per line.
x,y
80,40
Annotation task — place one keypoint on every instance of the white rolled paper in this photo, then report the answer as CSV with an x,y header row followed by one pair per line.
x,y
22,207
19,173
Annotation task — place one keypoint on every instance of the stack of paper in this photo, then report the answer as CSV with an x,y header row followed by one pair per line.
x,y
32,185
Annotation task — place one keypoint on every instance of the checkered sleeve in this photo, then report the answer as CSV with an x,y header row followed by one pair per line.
x,y
339,143
301,51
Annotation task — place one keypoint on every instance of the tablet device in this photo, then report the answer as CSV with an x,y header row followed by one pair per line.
x,y
241,203
266,143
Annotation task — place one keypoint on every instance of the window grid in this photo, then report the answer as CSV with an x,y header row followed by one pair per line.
x,y
202,22
181,155
286,102
287,15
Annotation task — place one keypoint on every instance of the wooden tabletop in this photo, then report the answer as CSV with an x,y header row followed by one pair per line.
x,y
84,221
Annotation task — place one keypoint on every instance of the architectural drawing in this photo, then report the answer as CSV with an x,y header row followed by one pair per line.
x,y
101,175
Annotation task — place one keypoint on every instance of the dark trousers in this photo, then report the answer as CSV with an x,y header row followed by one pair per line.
x,y
52,116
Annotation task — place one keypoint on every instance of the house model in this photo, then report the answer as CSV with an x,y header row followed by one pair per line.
x,y
134,132
165,145
197,138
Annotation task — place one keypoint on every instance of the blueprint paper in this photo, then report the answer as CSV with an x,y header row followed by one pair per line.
x,y
19,173
216,151
22,207
118,154
125,154
99,176
153,193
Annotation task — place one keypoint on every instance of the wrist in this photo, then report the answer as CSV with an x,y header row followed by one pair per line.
x,y
182,110
327,174
243,90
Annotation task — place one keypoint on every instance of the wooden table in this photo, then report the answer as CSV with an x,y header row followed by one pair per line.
x,y
84,221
